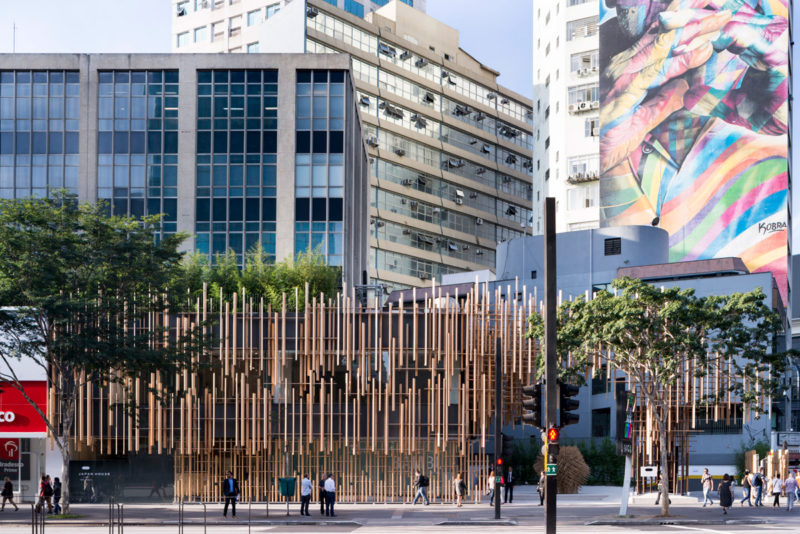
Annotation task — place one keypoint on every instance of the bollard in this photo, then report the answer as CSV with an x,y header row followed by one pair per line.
x,y
205,519
33,519
249,513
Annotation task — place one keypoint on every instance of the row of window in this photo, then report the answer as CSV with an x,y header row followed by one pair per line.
x,y
454,248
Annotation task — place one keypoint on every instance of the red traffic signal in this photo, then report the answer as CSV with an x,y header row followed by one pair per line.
x,y
552,435
499,462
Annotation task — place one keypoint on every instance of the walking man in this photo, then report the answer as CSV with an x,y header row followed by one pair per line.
x,y
421,483
305,495
57,496
8,494
230,490
746,485
790,487
708,487
330,495
509,491
321,490
758,484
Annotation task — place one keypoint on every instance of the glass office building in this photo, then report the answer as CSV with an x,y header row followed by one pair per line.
x,y
234,151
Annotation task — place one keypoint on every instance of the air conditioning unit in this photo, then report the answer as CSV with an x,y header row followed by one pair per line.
x,y
473,195
573,108
459,201
405,55
583,106
479,252
480,170
473,141
595,104
479,117
310,13
428,98
406,231
459,193
479,221
486,149
491,96
406,182
373,142
399,151
364,101
420,62
504,101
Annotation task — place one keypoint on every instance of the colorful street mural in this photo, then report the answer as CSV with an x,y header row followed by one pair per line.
x,y
694,125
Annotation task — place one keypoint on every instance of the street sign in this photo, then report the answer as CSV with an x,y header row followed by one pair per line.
x,y
648,471
9,449
550,470
498,479
624,448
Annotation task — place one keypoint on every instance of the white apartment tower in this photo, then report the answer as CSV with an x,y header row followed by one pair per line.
x,y
566,104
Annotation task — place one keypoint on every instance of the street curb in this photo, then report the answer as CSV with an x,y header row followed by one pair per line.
x,y
215,523
667,521
474,522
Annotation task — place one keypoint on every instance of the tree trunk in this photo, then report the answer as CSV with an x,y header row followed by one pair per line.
x,y
664,466
66,454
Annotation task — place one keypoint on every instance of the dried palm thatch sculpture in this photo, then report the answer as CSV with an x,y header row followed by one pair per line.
x,y
572,469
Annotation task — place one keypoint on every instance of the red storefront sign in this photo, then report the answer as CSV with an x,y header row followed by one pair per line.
x,y
9,449
17,416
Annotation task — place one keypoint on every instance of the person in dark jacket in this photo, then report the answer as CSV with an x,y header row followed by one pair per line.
x,y
321,491
56,495
725,493
421,484
230,490
8,495
509,486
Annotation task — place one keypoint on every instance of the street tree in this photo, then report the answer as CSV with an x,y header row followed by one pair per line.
x,y
661,338
79,292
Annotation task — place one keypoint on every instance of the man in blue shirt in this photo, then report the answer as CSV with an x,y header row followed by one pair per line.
x,y
230,490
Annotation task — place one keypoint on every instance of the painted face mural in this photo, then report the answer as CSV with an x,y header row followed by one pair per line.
x,y
694,123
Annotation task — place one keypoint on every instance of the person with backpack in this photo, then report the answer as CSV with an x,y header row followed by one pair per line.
x,y
758,484
8,495
421,483
45,495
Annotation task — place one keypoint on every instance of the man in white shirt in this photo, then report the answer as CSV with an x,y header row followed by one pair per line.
x,y
305,495
330,495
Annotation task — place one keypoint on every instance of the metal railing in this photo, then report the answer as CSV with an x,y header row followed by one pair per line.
x,y
38,521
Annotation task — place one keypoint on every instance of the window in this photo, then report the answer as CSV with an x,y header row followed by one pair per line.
x,y
601,422
201,34
183,8
183,39
218,29
351,6
576,2
584,63
613,246
272,9
584,93
235,25
582,197
591,127
254,17
578,29
252,48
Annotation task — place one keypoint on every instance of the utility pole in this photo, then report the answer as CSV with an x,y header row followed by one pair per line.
x,y
498,421
551,369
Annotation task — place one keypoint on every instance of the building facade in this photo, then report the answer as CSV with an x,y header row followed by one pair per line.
x,y
235,25
449,148
566,149
225,147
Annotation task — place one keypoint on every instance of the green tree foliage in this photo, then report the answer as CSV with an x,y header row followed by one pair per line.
x,y
607,468
762,448
74,283
264,278
651,334
523,456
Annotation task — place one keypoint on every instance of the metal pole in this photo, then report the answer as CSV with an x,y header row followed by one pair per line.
x,y
626,487
551,370
498,419
205,519
33,519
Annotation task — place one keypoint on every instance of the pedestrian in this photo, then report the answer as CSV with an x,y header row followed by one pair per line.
x,y
777,487
758,484
492,485
57,495
45,495
540,487
8,495
421,482
659,487
746,485
460,488
230,491
508,495
708,487
321,491
725,493
330,495
305,495
797,480
790,487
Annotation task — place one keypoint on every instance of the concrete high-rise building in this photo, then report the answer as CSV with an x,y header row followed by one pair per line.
x,y
449,148
236,25
220,144
566,96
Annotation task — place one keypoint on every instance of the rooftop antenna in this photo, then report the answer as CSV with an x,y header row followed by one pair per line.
x,y
14,36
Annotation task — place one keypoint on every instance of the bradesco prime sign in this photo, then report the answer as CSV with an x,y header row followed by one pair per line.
x,y
17,417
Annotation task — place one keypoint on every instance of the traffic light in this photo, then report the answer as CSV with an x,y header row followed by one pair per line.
x,y
566,404
532,400
499,463
552,435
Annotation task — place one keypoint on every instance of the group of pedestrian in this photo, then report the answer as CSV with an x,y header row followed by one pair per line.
x,y
49,494
754,487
